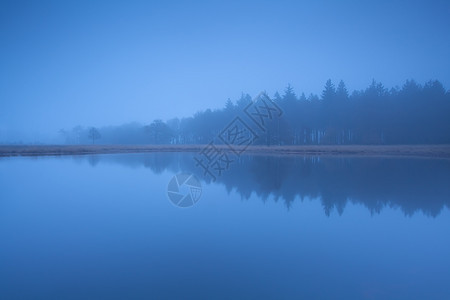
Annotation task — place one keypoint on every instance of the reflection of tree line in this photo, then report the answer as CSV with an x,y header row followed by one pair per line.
x,y
411,184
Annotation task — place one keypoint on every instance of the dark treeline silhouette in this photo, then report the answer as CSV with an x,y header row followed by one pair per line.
x,y
409,184
413,114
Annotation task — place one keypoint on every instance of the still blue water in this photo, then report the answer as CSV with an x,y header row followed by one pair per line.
x,y
102,227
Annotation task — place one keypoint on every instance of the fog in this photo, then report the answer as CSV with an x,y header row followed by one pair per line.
x,y
104,64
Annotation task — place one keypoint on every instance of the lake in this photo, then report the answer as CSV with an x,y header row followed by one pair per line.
x,y
103,227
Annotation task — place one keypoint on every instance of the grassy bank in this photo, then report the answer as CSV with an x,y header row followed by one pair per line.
x,y
432,151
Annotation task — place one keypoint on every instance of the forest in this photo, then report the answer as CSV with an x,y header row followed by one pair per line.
x,y
413,114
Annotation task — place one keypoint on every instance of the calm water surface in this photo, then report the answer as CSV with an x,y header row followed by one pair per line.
x,y
102,227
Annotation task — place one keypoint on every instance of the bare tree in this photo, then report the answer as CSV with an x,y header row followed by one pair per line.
x,y
94,134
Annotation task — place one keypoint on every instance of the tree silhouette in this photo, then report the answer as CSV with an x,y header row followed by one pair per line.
x,y
94,134
411,114
341,92
160,132
329,92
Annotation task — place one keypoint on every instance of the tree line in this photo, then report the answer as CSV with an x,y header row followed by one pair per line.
x,y
412,114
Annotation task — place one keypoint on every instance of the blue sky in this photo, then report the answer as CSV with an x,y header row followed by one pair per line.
x,y
95,63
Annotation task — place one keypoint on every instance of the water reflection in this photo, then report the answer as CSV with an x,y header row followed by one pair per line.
x,y
102,227
409,184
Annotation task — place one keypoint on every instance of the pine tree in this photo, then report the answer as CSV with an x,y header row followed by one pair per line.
x,y
329,92
341,91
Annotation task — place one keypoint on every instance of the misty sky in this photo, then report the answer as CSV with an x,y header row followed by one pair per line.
x,y
108,63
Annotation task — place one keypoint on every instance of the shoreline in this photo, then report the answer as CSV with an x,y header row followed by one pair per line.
x,y
425,151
